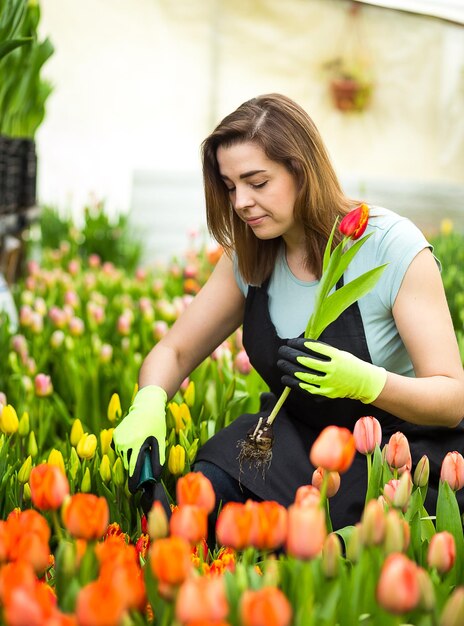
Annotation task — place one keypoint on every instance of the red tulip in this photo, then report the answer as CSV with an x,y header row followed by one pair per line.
x,y
354,223
398,589
334,449
452,470
367,434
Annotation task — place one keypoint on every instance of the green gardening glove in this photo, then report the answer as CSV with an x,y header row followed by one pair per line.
x,y
143,432
323,370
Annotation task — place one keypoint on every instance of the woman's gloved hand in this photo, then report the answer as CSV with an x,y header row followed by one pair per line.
x,y
323,370
141,432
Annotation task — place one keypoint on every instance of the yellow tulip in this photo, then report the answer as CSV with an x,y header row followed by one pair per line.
x,y
9,420
76,432
25,470
106,437
105,469
24,426
189,395
56,458
32,445
181,415
86,484
114,408
87,446
176,460
118,473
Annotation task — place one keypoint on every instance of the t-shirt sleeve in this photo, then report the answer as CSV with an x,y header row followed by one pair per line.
x,y
242,285
398,246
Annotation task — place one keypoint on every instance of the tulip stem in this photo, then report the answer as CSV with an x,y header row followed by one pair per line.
x,y
278,406
56,525
369,467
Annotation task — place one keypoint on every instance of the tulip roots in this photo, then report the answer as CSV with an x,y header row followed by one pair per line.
x,y
256,448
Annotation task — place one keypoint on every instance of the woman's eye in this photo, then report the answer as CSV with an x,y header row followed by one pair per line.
x,y
259,185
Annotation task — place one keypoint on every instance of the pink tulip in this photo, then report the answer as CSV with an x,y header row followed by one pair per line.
x,y
398,452
397,492
453,611
307,495
160,328
398,589
242,363
441,553
306,531
76,327
452,470
373,524
43,385
94,260
367,434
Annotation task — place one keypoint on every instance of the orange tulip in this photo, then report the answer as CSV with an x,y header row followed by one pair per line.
x,y
307,495
354,223
306,531
30,606
49,487
27,538
202,598
398,453
170,560
190,522
333,481
334,449
441,552
266,607
86,516
269,528
196,488
234,525
398,589
452,470
367,434
15,575
100,602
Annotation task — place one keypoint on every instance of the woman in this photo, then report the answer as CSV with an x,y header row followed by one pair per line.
x,y
272,198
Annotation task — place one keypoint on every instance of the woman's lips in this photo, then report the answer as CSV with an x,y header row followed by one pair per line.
x,y
255,221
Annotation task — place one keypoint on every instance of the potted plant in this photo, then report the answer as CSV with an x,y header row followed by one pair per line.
x,y
350,83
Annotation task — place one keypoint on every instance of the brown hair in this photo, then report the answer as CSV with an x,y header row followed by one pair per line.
x,y
286,134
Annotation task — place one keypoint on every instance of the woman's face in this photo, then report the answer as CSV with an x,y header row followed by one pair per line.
x,y
262,192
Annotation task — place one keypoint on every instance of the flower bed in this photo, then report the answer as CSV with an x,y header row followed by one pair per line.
x,y
74,545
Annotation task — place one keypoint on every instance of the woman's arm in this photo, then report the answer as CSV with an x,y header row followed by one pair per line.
x,y
216,311
436,395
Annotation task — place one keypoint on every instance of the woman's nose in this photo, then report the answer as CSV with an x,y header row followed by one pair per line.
x,y
242,198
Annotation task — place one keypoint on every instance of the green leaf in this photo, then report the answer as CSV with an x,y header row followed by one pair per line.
x,y
375,479
328,248
342,298
449,518
8,46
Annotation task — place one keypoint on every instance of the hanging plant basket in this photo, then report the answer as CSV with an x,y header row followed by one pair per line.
x,y
350,94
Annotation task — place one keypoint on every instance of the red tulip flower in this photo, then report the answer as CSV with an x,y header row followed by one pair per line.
x,y
354,223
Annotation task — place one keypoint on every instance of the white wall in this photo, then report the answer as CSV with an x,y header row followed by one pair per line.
x,y
139,84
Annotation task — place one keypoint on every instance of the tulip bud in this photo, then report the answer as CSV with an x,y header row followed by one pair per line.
x,y
56,458
403,492
422,471
25,471
105,469
427,591
86,484
76,432
192,451
373,524
114,408
74,464
367,434
9,422
87,446
452,470
354,546
176,460
453,611
106,437
43,386
106,353
57,339
32,445
354,223
398,588
398,452
242,363
27,492
333,481
331,555
441,553
118,473
394,533
189,394
23,426
158,524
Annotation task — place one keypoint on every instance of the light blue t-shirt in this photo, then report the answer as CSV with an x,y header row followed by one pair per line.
x,y
396,241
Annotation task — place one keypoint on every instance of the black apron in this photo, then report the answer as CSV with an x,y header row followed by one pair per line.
x,y
303,416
